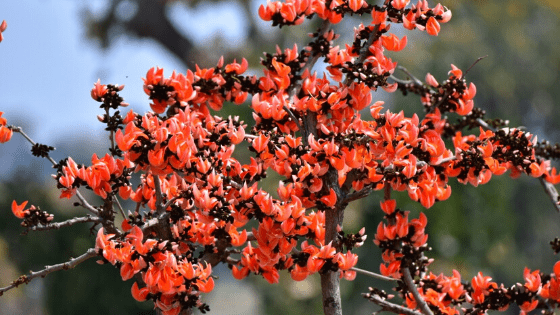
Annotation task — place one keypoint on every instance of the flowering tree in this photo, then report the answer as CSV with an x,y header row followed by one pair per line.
x,y
198,206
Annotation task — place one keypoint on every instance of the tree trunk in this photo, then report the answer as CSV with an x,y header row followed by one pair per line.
x,y
330,281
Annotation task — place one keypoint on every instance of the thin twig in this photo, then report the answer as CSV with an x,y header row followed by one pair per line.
x,y
58,225
484,125
445,160
412,77
551,191
84,203
119,206
388,306
20,131
48,269
400,81
292,116
474,63
171,201
422,305
373,274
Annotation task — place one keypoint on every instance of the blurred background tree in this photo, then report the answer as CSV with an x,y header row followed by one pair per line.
x,y
498,228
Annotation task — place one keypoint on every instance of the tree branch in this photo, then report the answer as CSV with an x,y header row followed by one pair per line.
x,y
551,191
422,305
58,225
372,274
388,306
549,188
48,269
83,201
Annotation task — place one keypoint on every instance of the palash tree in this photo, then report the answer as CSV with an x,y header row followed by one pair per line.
x,y
197,206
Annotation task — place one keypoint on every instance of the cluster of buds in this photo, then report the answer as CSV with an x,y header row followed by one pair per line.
x,y
31,216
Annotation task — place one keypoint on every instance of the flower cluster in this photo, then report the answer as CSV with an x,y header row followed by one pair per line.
x,y
402,242
105,176
447,294
171,278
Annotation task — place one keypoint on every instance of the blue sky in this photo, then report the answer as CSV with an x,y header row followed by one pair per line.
x,y
48,67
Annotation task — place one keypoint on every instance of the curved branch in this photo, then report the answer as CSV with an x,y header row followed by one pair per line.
x,y
417,297
92,252
388,306
83,201
373,274
58,225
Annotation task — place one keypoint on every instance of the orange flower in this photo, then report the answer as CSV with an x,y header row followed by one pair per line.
x,y
237,68
5,132
399,4
532,280
299,273
260,143
393,43
356,5
346,261
3,121
239,273
388,206
99,90
138,294
18,211
3,27
330,199
432,27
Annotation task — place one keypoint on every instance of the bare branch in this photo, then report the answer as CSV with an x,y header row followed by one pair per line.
x,y
474,63
152,223
445,160
171,201
372,274
20,130
48,269
412,288
364,192
83,201
58,225
388,306
551,191
400,81
119,206
414,79
387,191
484,125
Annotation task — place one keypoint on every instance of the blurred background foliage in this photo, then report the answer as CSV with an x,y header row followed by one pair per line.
x,y
498,228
